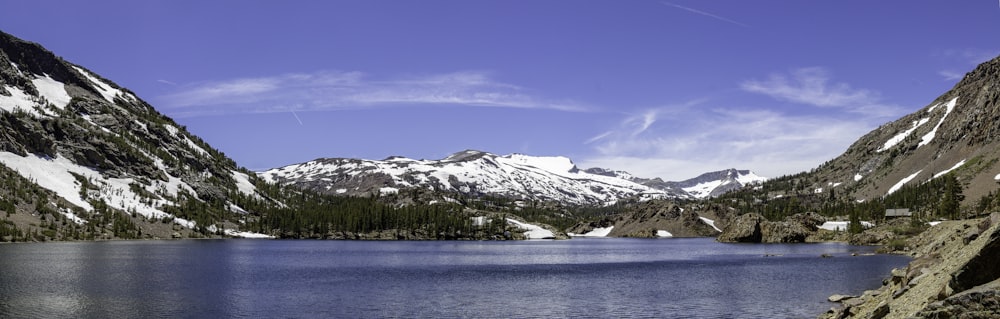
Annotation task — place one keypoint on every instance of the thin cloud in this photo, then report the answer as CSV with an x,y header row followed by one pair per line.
x,y
680,141
713,16
812,86
331,90
696,140
950,75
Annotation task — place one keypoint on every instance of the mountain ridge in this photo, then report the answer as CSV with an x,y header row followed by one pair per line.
x,y
472,172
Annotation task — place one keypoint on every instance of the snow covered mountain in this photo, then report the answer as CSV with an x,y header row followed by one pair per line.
x,y
77,148
480,173
717,183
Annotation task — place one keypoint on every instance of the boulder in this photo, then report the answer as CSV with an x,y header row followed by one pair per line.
x,y
783,232
744,229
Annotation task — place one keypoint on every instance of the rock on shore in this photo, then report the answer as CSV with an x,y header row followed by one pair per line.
x,y
955,274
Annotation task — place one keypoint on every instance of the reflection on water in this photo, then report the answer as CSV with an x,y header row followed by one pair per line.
x,y
695,278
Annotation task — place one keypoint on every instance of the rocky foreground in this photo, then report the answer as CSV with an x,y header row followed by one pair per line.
x,y
955,273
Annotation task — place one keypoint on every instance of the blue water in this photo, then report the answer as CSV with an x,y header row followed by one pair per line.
x,y
665,278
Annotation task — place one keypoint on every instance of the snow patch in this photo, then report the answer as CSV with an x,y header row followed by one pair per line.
x,y
388,190
663,233
903,135
949,170
858,177
842,225
927,138
17,100
244,234
532,231
52,90
597,232
244,185
710,223
105,89
902,182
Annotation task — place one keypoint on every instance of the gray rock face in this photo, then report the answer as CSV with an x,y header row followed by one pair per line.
x,y
744,229
978,302
754,228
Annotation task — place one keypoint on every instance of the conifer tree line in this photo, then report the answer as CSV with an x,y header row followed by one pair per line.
x,y
938,198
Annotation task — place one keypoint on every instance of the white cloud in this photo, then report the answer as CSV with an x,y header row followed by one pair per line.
x,y
678,142
700,140
331,90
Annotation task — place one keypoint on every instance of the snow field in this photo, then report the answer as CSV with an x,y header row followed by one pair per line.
x,y
532,231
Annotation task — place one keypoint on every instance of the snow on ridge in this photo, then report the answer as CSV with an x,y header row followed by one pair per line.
x,y
703,190
902,182
107,91
554,164
927,138
515,174
750,178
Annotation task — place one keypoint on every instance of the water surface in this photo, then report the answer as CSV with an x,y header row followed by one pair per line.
x,y
676,278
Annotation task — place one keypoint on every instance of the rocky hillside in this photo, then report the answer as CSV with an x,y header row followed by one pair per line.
x,y
476,173
959,132
659,218
954,274
85,158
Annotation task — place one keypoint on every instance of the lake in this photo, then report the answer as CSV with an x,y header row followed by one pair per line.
x,y
652,278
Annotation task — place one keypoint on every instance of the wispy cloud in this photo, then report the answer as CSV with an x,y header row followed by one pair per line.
x,y
701,139
812,86
969,55
962,59
682,140
332,90
710,15
950,75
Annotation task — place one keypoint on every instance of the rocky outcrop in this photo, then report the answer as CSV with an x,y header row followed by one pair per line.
x,y
745,229
644,220
754,228
950,277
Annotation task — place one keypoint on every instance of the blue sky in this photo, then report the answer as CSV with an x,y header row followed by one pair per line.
x,y
665,89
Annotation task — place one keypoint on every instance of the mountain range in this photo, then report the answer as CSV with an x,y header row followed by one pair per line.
x,y
84,158
477,173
